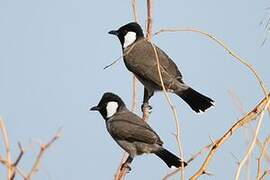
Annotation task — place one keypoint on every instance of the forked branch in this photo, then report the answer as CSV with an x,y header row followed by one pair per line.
x,y
243,121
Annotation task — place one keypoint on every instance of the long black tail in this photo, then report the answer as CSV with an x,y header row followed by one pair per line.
x,y
169,158
195,100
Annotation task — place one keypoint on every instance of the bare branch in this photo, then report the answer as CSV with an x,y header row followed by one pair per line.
x,y
14,165
265,145
7,147
42,150
177,135
221,43
267,172
115,61
252,145
134,10
149,27
120,174
244,120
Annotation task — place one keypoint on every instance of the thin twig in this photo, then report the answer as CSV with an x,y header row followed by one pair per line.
x,y
267,172
266,155
120,174
192,158
265,145
43,148
221,43
239,105
149,26
134,10
177,135
244,120
253,143
15,164
149,35
115,61
237,102
7,147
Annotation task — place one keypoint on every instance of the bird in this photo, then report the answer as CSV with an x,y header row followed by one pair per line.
x,y
131,132
140,58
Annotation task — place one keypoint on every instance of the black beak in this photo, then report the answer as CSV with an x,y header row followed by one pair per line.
x,y
114,32
95,108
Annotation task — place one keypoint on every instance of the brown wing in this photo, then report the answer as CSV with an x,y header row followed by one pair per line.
x,y
130,127
168,64
141,60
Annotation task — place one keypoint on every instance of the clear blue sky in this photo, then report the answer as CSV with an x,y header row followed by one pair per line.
x,y
51,72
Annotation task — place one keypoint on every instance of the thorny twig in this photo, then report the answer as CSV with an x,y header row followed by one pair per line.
x,y
253,143
244,120
192,158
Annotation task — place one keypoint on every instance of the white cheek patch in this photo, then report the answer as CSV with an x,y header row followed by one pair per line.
x,y
111,108
130,37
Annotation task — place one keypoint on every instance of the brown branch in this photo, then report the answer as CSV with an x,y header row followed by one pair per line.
x,y
149,26
267,172
149,35
120,173
265,145
177,135
149,38
253,143
43,148
134,10
15,164
7,147
221,43
266,155
244,120
237,102
192,158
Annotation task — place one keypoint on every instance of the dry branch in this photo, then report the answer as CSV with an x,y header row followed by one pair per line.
x,y
267,172
12,168
253,143
243,121
263,151
221,43
7,147
15,164
120,173
43,149
177,134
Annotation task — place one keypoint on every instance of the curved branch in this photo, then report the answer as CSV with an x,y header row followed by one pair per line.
x,y
221,43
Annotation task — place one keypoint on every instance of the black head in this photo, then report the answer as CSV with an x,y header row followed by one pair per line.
x,y
108,105
128,33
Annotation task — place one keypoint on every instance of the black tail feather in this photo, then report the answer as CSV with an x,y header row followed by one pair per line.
x,y
195,100
169,158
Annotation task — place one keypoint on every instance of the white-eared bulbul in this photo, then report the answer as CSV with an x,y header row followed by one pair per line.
x,y
133,134
140,59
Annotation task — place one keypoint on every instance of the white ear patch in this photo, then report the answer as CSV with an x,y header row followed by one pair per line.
x,y
130,37
111,108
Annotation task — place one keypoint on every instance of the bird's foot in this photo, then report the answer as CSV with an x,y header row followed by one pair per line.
x,y
147,107
126,166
